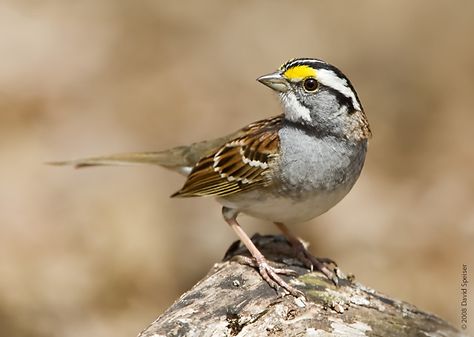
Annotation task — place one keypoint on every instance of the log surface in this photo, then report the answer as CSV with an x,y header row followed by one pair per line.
x,y
233,300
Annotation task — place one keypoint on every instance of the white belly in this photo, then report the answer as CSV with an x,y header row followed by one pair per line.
x,y
281,209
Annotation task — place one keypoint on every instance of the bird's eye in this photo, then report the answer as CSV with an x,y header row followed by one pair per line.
x,y
310,84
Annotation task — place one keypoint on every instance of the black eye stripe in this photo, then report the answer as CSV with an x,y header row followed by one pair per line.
x,y
341,99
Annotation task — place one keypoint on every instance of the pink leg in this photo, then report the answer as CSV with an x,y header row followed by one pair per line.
x,y
309,260
268,273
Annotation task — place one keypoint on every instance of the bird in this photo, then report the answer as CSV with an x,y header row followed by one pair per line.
x,y
285,169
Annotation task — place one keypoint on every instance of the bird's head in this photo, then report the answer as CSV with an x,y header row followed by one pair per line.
x,y
317,94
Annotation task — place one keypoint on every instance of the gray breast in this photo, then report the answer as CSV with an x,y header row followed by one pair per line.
x,y
312,163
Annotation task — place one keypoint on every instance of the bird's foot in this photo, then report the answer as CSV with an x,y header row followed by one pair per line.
x,y
326,266
271,274
322,265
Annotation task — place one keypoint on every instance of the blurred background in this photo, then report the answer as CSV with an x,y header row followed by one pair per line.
x,y
102,252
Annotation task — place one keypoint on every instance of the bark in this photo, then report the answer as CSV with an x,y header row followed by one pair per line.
x,y
233,300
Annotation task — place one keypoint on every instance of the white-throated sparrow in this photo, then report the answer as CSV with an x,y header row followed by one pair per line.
x,y
285,169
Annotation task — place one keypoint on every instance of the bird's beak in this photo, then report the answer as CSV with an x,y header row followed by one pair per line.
x,y
275,81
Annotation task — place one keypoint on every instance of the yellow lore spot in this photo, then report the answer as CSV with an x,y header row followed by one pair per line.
x,y
299,72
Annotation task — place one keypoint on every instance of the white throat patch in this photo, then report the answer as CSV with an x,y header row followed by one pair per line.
x,y
330,79
294,111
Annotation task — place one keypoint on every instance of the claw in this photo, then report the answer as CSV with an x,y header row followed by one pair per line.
x,y
326,260
270,275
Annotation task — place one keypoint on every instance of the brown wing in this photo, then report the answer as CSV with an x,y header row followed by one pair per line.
x,y
241,164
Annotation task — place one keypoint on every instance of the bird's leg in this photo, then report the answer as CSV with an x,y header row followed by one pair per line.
x,y
310,261
268,273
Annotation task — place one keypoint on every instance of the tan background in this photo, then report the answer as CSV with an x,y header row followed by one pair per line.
x,y
101,252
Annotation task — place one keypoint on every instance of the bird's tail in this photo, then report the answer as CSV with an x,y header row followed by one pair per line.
x,y
164,158
180,159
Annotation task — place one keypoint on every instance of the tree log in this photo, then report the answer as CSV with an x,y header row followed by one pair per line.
x,y
233,300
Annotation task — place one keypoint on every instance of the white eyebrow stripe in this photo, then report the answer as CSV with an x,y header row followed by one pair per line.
x,y
330,79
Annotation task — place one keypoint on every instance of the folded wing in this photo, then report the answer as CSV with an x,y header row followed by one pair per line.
x,y
241,164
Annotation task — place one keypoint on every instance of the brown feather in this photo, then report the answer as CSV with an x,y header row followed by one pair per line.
x,y
241,164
